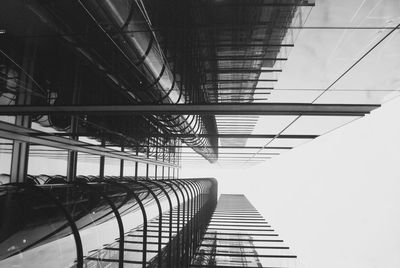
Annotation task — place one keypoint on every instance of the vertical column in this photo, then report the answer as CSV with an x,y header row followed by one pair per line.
x,y
169,158
174,160
136,164
157,142
147,164
102,161
121,165
179,157
163,160
20,151
155,166
148,150
72,159
169,162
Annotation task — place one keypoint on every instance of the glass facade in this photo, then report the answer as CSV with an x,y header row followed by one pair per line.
x,y
238,236
103,101
103,223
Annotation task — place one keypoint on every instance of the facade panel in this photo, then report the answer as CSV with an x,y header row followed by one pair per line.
x,y
238,236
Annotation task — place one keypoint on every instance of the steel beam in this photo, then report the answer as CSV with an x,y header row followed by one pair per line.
x,y
227,99
242,93
245,45
251,5
227,147
222,154
203,109
241,58
17,133
234,136
241,71
240,88
230,81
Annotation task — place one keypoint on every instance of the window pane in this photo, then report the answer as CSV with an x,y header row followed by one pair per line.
x,y
47,160
317,125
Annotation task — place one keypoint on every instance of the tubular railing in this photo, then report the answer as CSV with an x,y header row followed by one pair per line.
x,y
110,221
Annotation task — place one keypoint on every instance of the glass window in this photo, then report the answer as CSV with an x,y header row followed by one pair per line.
x,y
358,96
317,125
272,124
279,142
5,160
88,164
129,168
112,166
47,160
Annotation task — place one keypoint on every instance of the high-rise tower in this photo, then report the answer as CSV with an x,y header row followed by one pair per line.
x,y
238,236
134,223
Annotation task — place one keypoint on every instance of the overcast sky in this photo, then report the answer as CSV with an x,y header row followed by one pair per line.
x,y
335,200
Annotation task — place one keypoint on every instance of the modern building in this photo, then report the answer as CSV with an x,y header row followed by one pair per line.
x,y
153,86
103,101
134,223
110,223
238,236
